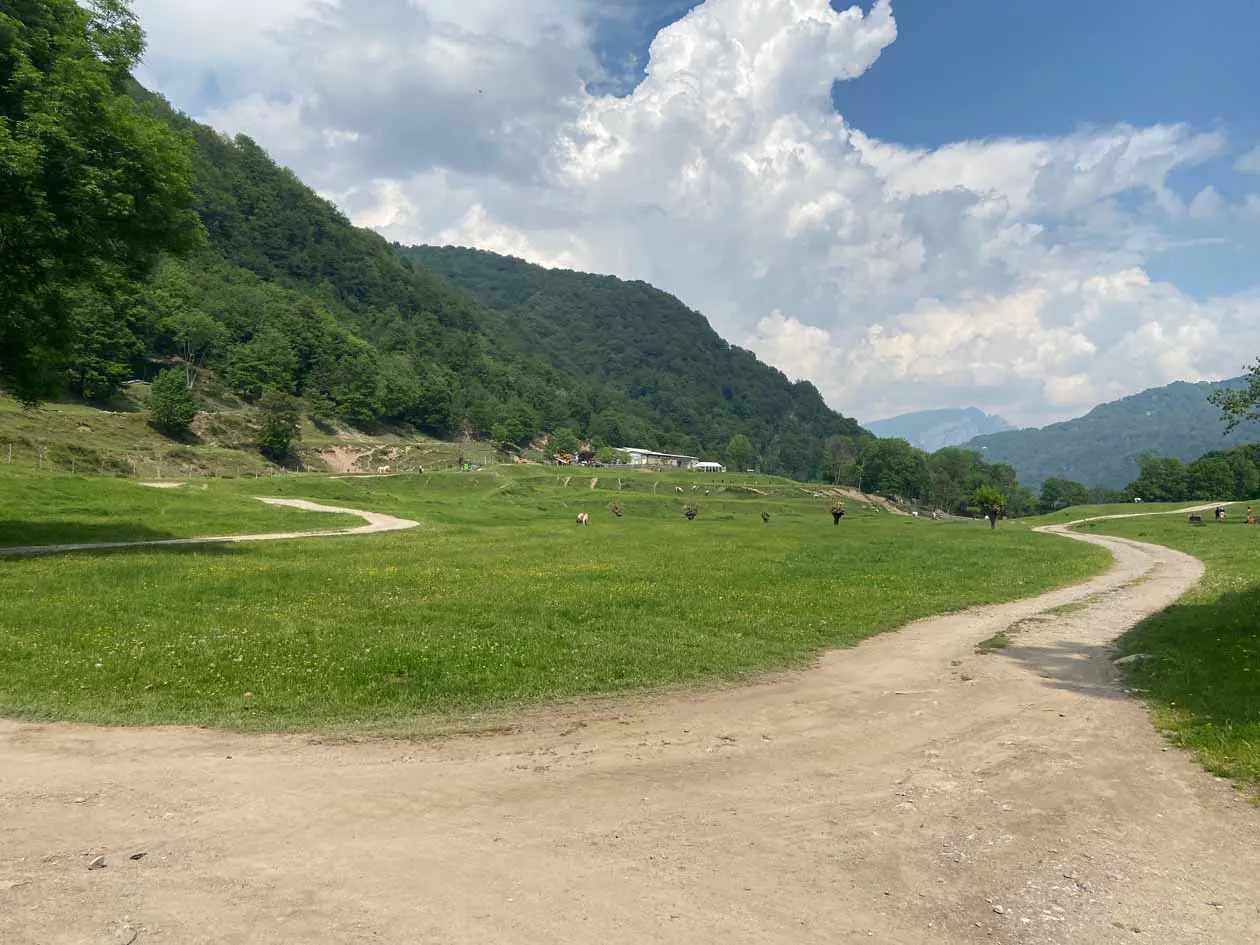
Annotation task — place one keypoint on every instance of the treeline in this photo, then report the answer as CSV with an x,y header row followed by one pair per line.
x,y
1222,475
953,480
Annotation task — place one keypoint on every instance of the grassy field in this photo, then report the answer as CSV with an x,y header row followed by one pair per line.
x,y
497,600
1204,682
61,509
1077,512
76,438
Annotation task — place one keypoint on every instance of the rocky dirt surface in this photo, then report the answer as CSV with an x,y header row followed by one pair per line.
x,y
906,791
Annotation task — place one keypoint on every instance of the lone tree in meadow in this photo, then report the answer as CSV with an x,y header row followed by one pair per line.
x,y
93,189
172,406
990,501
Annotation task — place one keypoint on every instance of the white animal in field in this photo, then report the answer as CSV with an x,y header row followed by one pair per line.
x,y
583,518
678,489
382,469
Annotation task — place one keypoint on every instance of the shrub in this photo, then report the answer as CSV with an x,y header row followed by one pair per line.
x,y
172,406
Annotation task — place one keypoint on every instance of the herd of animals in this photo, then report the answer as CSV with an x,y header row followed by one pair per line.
x,y
690,512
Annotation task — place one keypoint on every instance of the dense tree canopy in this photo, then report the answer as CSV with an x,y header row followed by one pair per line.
x,y
92,189
639,368
1218,476
1060,493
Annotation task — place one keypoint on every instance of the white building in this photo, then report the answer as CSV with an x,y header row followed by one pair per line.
x,y
640,457
709,467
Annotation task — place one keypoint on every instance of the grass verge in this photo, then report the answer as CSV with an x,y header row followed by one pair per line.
x,y
1204,682
54,509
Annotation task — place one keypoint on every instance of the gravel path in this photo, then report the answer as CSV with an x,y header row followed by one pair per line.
x,y
376,522
904,791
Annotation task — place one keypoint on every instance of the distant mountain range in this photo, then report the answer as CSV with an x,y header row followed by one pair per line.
x,y
1101,448
932,430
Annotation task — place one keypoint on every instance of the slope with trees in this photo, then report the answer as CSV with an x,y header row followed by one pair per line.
x,y
284,295
93,190
1101,449
668,381
1217,476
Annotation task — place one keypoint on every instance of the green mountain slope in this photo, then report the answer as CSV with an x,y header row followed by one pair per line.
x,y
288,295
678,385
1102,447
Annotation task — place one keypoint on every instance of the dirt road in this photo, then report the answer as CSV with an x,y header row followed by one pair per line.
x,y
905,791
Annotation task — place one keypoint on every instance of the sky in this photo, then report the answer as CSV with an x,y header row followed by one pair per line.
x,y
1027,208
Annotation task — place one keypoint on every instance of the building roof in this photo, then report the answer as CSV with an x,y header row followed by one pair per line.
x,y
645,452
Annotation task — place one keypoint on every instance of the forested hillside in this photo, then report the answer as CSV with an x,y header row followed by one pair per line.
x,y
677,384
286,295
1101,449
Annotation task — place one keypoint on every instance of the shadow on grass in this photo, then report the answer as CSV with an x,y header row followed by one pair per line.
x,y
19,534
16,537
1205,661
1207,658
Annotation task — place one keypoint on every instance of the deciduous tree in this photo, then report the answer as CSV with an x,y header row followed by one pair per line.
x,y
93,190
172,406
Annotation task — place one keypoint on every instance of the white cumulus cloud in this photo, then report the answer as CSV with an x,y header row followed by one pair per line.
x,y
1009,274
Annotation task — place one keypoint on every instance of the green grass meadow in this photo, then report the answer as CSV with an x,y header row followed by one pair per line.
x,y
57,509
1204,683
497,600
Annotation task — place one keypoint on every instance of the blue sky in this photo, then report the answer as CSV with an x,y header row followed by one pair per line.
x,y
1024,207
1006,68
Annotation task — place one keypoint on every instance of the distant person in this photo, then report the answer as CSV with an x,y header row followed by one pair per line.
x,y
1251,519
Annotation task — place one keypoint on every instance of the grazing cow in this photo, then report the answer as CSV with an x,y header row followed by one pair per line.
x,y
678,489
765,517
837,513
583,518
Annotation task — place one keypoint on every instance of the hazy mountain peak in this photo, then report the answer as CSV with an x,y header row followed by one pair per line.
x,y
932,430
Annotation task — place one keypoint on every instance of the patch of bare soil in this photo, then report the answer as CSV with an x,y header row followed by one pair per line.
x,y
342,459
904,791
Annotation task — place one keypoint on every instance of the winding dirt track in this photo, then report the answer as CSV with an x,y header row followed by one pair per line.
x,y
904,791
376,522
